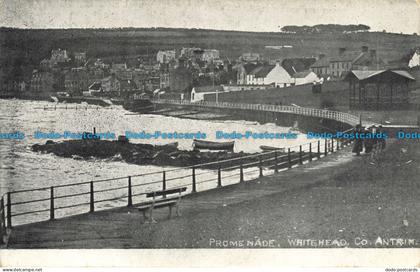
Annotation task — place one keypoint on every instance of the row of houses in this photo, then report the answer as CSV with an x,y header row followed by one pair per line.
x,y
266,74
338,66
205,55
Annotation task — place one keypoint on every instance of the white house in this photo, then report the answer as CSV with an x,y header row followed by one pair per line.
x,y
305,77
210,55
197,93
165,56
269,74
415,59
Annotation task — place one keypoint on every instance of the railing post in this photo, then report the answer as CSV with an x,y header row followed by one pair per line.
x,y
219,177
92,199
130,193
194,189
310,151
241,173
338,144
276,166
326,147
300,155
289,159
3,219
9,210
332,145
260,166
164,182
52,203
319,149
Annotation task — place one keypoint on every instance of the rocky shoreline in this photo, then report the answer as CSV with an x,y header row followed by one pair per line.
x,y
140,154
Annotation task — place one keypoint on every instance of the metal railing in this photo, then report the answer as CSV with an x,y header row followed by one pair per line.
x,y
321,113
46,203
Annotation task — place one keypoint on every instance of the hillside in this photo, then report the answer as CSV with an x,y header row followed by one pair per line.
x,y
27,47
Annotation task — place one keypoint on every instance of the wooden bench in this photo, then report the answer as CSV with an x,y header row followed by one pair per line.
x,y
170,202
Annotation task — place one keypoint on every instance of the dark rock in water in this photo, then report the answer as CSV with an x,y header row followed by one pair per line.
x,y
161,158
140,154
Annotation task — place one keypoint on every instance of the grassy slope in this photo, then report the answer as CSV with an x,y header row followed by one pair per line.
x,y
101,42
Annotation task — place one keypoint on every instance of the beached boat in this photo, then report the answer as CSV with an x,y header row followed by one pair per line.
x,y
272,148
199,144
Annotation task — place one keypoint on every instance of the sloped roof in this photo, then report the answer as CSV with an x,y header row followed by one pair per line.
x,y
95,86
294,65
262,71
208,89
362,75
404,74
249,67
322,62
302,74
347,56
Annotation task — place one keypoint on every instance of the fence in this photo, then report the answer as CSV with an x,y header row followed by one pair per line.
x,y
49,203
334,115
46,203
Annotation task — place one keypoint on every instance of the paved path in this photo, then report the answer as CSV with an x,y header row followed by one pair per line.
x,y
119,228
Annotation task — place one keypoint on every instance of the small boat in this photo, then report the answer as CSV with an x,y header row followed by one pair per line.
x,y
199,144
272,148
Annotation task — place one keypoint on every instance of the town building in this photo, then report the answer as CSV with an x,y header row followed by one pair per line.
x,y
243,70
337,67
295,65
322,66
80,58
379,89
367,60
76,81
342,63
100,63
197,93
111,85
127,88
190,52
165,56
269,74
95,89
180,79
305,77
59,56
210,55
41,82
250,57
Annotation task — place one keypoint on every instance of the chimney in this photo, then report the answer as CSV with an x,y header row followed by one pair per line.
x,y
341,51
365,48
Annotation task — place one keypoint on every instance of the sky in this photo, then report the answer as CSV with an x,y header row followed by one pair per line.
x,y
243,15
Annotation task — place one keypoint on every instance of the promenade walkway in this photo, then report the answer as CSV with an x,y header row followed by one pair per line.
x,y
123,228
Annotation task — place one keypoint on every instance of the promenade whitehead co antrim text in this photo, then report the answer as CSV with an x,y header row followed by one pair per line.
x,y
219,125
